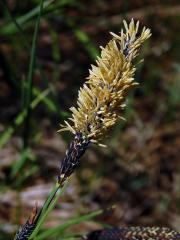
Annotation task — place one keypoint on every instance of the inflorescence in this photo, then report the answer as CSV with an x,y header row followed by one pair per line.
x,y
102,97
72,157
100,102
26,230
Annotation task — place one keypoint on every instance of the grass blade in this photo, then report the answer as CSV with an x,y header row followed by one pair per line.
x,y
56,192
12,28
28,88
20,118
60,229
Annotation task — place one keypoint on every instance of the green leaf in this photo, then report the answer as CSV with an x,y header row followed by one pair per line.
x,y
24,20
49,204
18,164
55,231
4,138
12,28
28,87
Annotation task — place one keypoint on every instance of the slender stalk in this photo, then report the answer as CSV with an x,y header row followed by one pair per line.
x,y
49,198
50,203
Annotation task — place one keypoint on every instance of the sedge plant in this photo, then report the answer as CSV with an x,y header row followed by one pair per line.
x,y
99,106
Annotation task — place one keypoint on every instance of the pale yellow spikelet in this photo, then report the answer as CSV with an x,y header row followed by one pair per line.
x,y
102,97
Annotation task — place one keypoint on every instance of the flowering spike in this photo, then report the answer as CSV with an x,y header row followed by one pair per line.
x,y
144,233
102,96
26,230
71,160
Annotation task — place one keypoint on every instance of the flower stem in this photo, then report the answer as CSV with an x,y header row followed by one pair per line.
x,y
48,206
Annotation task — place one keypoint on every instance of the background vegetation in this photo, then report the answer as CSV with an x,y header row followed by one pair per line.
x,y
41,69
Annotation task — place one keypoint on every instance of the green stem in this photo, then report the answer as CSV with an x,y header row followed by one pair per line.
x,y
29,86
48,207
50,198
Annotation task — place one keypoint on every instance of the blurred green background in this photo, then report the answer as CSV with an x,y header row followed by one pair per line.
x,y
41,70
